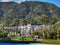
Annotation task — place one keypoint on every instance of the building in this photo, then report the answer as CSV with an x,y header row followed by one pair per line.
x,y
25,30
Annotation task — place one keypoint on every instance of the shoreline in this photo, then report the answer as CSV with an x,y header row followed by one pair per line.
x,y
28,42
5,41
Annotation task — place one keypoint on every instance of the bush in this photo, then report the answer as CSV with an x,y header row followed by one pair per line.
x,y
3,34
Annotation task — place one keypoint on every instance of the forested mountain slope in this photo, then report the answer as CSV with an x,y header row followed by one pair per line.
x,y
28,11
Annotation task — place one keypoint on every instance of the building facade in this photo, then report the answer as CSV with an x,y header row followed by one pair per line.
x,y
25,30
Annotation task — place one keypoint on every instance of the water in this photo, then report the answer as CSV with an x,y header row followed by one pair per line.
x,y
23,44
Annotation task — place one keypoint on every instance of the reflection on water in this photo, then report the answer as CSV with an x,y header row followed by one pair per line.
x,y
24,44
42,44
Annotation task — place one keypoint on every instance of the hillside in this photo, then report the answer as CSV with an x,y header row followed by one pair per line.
x,y
26,10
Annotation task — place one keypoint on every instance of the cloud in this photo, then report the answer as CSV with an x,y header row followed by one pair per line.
x,y
18,0
13,0
5,0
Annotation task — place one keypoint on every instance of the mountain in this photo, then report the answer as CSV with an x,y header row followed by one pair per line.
x,y
23,10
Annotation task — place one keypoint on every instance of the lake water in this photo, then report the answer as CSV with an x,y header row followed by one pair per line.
x,y
23,44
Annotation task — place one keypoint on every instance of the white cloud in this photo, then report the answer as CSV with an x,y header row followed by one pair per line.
x,y
18,0
5,0
13,0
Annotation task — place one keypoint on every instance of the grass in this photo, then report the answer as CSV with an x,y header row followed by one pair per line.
x,y
51,41
42,41
22,39
47,41
28,39
16,39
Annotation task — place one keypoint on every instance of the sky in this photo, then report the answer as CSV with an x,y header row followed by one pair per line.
x,y
56,2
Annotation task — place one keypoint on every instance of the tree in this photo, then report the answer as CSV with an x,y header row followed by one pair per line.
x,y
4,24
36,32
22,22
15,22
52,34
45,34
32,21
54,19
3,34
57,28
43,19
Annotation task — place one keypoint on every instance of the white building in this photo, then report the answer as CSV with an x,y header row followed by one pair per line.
x,y
25,30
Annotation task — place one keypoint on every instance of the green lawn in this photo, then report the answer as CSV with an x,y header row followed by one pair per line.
x,y
31,39
51,41
22,39
28,39
16,39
